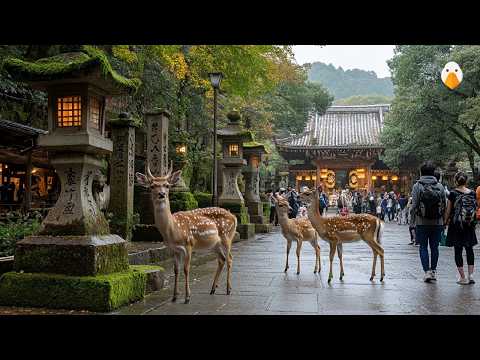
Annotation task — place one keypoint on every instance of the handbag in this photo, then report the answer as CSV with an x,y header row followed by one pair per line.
x,y
443,238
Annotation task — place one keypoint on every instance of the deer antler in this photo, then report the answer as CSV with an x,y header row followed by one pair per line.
x,y
149,173
170,170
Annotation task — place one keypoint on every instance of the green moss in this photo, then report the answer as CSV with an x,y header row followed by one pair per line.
x,y
59,66
182,201
75,260
240,211
204,199
144,268
254,144
95,293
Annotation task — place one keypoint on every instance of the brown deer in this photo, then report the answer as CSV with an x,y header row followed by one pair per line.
x,y
298,230
206,229
341,229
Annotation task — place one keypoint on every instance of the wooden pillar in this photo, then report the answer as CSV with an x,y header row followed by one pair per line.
x,y
27,199
369,178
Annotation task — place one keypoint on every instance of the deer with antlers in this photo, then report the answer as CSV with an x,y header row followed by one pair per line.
x,y
200,229
342,229
298,230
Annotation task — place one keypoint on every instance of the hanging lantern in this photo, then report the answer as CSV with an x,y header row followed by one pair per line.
x,y
385,177
307,178
299,177
314,177
394,178
361,175
374,178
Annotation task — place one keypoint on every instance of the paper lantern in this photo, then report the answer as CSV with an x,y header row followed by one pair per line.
x,y
307,177
394,177
374,177
314,177
384,177
299,177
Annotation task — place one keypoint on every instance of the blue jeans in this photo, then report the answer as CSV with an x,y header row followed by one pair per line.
x,y
428,235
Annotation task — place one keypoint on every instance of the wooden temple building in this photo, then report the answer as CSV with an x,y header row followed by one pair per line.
x,y
27,180
341,150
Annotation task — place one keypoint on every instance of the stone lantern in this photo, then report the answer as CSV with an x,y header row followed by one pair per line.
x,y
179,161
74,239
255,153
232,138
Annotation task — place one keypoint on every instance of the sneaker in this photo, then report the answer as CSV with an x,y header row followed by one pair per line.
x,y
428,276
463,281
470,279
434,275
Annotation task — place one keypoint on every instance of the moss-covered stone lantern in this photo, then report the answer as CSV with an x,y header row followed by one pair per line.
x,y
74,241
232,138
254,152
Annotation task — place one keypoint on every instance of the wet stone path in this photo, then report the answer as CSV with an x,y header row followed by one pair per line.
x,y
261,287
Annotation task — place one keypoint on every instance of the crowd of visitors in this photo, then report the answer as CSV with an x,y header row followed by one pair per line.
x,y
432,213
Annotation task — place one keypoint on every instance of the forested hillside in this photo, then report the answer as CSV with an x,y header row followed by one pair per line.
x,y
346,83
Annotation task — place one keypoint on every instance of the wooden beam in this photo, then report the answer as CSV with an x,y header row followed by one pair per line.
x,y
27,201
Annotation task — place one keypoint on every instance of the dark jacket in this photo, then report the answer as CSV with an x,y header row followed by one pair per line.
x,y
419,220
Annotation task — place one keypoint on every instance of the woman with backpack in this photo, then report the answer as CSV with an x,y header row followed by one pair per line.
x,y
461,220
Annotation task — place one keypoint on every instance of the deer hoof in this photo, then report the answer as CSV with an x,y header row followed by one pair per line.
x,y
212,291
329,280
229,291
381,279
298,272
371,278
174,299
187,300
285,270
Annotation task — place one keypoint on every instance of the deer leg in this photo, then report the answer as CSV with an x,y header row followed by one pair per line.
x,y
299,249
333,247
186,271
340,257
229,271
289,245
221,262
316,247
374,264
175,270
382,263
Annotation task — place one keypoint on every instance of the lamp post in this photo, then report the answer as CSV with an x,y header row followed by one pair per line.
x,y
215,80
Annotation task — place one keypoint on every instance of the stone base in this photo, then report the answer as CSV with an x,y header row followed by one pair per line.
x,y
263,228
100,293
155,277
236,238
247,231
255,208
150,256
146,232
258,219
72,255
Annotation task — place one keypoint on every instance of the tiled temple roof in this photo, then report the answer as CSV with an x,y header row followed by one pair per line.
x,y
341,127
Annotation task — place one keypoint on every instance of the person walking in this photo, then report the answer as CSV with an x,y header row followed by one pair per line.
x,y
273,213
461,220
411,222
292,198
384,207
402,204
428,207
322,201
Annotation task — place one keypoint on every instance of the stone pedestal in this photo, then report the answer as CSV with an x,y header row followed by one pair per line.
x,y
157,158
231,194
72,255
122,173
252,198
75,212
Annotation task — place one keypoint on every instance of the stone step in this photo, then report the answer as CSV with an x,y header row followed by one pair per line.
x,y
149,256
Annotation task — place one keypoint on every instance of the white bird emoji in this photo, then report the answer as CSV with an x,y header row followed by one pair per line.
x,y
452,75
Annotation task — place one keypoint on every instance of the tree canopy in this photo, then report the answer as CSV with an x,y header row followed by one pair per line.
x,y
428,120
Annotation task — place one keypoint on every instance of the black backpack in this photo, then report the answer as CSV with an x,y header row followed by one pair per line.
x,y
431,201
465,208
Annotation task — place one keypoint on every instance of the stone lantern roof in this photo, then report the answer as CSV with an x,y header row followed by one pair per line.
x,y
255,146
89,64
234,129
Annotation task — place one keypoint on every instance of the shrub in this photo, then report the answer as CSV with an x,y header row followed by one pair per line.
x,y
16,227
204,199
182,201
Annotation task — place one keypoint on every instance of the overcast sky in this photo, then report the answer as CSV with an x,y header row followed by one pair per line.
x,y
364,57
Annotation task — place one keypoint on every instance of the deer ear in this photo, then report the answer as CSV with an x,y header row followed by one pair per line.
x,y
142,180
173,179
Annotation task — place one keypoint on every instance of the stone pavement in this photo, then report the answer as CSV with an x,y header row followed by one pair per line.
x,y
261,287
